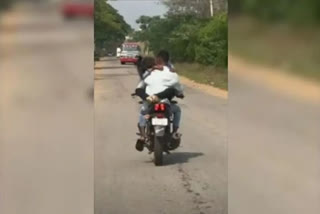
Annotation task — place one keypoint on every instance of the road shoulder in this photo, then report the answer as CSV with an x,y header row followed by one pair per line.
x,y
275,79
213,91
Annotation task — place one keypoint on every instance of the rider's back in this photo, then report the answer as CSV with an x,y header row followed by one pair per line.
x,y
160,80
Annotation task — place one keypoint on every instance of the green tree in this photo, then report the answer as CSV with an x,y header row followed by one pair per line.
x,y
154,32
183,40
287,11
188,37
5,4
212,44
199,8
109,25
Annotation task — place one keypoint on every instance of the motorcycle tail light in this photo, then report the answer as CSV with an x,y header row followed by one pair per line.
x,y
160,107
156,107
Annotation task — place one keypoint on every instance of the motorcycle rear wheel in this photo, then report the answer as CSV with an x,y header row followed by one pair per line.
x,y
158,151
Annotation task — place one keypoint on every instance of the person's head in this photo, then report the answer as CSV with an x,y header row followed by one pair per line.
x,y
145,63
148,62
163,57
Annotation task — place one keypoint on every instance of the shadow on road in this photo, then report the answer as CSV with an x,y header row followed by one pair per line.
x,y
180,157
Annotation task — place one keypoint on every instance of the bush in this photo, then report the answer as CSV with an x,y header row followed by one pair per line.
x,y
183,42
212,44
189,39
287,11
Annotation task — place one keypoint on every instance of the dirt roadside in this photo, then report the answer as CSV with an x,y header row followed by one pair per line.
x,y
217,92
275,79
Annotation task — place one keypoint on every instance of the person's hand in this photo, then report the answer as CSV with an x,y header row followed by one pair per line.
x,y
153,99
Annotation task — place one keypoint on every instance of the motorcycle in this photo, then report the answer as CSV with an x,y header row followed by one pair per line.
x,y
159,130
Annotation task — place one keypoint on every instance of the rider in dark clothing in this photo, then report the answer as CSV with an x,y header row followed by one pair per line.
x,y
145,67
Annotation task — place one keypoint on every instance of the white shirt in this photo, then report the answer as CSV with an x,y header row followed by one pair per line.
x,y
159,81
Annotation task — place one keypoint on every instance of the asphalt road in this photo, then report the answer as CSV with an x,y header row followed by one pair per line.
x,y
273,145
193,179
46,113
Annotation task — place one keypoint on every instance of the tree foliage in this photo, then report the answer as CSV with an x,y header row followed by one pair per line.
x,y
290,11
5,4
199,8
189,39
109,25
212,43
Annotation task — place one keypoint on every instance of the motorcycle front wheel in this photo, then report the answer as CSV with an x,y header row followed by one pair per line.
x,y
158,151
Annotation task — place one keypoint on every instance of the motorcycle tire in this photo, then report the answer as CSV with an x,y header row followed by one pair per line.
x,y
158,151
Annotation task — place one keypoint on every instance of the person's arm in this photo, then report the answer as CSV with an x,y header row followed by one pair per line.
x,y
171,79
178,87
141,88
140,68
141,92
169,93
171,67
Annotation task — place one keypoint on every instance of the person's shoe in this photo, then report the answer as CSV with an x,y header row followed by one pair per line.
x,y
176,135
141,141
140,145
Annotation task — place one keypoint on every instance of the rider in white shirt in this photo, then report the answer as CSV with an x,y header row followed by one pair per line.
x,y
158,83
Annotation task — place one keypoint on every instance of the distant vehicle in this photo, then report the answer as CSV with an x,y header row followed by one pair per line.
x,y
77,8
130,53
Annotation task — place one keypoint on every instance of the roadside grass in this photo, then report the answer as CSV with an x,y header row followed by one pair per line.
x,y
295,51
208,75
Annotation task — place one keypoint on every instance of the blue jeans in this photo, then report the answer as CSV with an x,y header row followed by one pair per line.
x,y
175,109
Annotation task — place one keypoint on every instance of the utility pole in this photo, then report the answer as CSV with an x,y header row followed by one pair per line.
x,y
211,8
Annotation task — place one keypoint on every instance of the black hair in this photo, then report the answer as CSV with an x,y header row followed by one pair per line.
x,y
145,63
164,55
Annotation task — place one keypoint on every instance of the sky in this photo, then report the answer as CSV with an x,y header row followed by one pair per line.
x,y
131,10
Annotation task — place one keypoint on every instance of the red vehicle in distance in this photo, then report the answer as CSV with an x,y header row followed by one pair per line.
x,y
77,8
130,52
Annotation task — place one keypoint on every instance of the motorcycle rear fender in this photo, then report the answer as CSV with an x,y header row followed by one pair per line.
x,y
159,130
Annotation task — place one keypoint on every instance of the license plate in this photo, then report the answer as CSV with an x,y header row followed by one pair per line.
x,y
160,121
